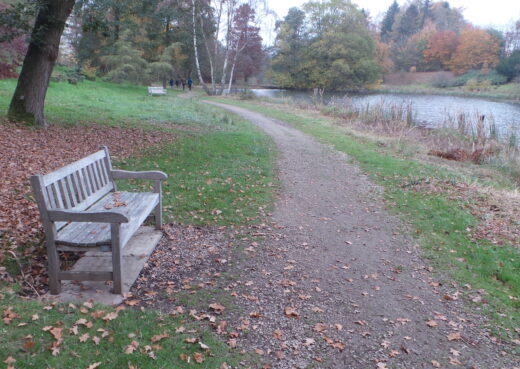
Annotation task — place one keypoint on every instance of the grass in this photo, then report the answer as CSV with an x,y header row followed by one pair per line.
x,y
220,171
27,340
509,91
442,224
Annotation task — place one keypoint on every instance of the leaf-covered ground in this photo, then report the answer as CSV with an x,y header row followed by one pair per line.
x,y
25,151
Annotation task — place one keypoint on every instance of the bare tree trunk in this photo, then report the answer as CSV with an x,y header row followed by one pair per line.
x,y
210,58
28,100
197,64
238,51
230,13
231,74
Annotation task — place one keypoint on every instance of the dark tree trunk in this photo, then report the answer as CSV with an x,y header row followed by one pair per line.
x,y
29,97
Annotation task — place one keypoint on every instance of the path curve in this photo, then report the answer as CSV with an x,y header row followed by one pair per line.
x,y
362,296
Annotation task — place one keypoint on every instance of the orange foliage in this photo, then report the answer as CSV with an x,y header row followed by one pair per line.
x,y
441,48
476,49
382,53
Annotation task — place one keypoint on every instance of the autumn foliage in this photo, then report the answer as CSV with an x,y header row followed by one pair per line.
x,y
441,48
11,51
476,49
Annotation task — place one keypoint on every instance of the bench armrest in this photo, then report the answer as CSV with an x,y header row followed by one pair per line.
x,y
86,216
125,174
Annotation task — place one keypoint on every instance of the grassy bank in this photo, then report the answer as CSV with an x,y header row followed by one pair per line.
x,y
426,196
220,171
508,92
85,336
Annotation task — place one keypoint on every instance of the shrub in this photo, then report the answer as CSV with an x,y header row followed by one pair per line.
x,y
492,76
442,81
472,84
89,72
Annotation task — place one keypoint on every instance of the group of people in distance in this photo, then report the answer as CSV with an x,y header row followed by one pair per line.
x,y
182,82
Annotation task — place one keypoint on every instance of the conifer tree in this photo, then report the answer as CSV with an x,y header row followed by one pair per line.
x,y
388,21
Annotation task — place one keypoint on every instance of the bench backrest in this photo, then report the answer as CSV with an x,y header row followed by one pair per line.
x,y
156,90
77,185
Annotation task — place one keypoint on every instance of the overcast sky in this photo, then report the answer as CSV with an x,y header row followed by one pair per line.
x,y
497,13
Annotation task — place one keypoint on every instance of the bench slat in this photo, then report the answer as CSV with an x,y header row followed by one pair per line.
x,y
72,192
98,234
64,195
73,167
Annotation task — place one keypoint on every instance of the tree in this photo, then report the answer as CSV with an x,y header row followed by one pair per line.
x,y
407,24
28,100
447,18
341,53
12,47
246,43
510,65
388,21
126,63
512,37
288,49
441,48
476,49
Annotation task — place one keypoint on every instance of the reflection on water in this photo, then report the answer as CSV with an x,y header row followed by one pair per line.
x,y
429,110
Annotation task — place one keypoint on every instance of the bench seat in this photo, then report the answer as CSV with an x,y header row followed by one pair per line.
x,y
92,235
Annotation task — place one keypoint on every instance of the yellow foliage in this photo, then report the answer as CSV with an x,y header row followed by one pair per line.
x,y
477,48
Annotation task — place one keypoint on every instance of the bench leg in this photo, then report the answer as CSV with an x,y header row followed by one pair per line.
x,y
54,268
158,216
158,209
117,259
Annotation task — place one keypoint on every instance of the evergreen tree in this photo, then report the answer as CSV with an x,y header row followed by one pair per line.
x,y
388,21
408,24
126,63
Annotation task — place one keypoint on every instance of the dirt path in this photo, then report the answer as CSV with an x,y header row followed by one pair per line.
x,y
334,283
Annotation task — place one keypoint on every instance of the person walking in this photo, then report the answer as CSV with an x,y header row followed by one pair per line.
x,y
177,83
171,83
183,82
190,82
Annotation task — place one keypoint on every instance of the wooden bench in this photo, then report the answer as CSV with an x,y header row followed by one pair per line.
x,y
81,211
153,90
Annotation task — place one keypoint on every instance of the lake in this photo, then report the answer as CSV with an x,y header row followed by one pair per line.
x,y
428,110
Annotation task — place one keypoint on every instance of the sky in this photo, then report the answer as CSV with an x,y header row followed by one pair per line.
x,y
496,13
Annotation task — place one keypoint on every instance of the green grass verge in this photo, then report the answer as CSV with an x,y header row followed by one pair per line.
x,y
440,223
28,338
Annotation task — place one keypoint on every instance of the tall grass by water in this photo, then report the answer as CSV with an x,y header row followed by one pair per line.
x,y
463,136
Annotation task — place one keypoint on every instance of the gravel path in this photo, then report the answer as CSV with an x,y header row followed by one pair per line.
x,y
334,283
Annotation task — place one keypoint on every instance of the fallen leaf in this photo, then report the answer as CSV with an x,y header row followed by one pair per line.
x,y
131,347
198,357
94,366
217,307
455,336
320,327
159,337
291,312
10,360
431,323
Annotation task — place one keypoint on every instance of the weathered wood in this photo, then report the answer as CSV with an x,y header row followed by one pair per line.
x,y
86,276
157,188
117,258
126,174
86,216
73,167
80,212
